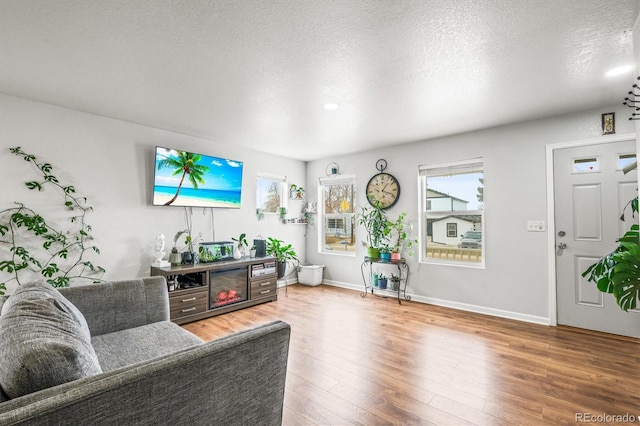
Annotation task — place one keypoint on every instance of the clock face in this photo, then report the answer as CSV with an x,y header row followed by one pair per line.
x,y
384,190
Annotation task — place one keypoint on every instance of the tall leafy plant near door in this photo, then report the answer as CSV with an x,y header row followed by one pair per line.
x,y
32,246
618,272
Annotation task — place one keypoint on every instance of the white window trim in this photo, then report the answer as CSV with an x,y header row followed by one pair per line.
x,y
441,169
284,189
331,180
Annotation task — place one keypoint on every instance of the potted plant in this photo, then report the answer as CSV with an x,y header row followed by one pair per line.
x,y
282,252
619,271
282,214
296,192
175,258
252,251
382,281
385,253
374,221
401,236
395,254
241,244
394,282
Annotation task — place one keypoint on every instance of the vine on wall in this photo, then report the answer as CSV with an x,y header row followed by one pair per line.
x,y
31,246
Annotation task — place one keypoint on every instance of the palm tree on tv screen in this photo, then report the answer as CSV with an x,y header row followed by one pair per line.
x,y
187,164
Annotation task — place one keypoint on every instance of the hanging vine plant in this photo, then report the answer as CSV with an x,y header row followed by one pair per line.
x,y
30,246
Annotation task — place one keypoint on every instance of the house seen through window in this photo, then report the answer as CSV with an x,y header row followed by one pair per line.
x,y
338,217
453,213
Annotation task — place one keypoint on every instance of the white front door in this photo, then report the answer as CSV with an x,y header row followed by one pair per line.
x,y
590,193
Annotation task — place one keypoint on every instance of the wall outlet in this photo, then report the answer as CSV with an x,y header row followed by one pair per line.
x,y
535,226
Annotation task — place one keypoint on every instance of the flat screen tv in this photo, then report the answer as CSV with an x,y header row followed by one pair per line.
x,y
187,179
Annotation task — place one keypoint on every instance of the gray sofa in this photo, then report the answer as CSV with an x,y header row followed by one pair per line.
x,y
152,371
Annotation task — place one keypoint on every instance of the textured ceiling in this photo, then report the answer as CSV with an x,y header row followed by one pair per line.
x,y
256,73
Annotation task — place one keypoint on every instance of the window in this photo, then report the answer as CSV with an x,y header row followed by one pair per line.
x,y
626,160
452,230
337,215
452,203
269,193
586,165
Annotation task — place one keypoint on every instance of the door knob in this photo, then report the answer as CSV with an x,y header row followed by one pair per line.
x,y
562,246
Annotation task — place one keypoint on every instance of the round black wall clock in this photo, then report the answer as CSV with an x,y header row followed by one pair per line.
x,y
383,189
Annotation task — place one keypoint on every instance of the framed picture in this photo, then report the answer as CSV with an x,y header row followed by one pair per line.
x,y
608,123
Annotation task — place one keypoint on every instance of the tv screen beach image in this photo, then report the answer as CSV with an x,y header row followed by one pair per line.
x,y
195,180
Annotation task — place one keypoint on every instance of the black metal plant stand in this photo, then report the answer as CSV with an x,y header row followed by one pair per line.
x,y
403,273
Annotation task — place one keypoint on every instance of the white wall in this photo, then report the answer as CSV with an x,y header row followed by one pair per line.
x,y
111,162
514,281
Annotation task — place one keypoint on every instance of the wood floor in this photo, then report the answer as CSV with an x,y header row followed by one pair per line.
x,y
370,361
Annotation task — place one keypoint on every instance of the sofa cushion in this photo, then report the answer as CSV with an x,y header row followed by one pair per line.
x,y
142,344
44,341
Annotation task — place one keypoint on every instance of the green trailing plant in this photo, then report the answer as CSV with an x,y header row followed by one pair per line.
x,y
282,214
30,245
618,272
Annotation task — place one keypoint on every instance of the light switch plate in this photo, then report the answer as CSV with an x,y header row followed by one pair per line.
x,y
535,226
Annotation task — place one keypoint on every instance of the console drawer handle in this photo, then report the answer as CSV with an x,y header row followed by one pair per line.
x,y
265,283
191,299
188,310
265,291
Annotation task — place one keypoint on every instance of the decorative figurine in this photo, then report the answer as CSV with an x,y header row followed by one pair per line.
x,y
159,251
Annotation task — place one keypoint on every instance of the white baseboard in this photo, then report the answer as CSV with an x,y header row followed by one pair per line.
x,y
286,282
457,305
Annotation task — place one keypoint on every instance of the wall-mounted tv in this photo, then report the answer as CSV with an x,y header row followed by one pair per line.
x,y
189,179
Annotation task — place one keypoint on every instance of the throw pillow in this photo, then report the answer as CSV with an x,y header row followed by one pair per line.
x,y
44,341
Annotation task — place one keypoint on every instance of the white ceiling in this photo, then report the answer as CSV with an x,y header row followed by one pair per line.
x,y
256,73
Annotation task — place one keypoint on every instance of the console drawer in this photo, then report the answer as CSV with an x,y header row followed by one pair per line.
x,y
188,302
263,288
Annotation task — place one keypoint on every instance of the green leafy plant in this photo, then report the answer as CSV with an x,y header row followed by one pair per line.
x,y
618,272
241,240
401,237
282,214
281,251
374,221
30,245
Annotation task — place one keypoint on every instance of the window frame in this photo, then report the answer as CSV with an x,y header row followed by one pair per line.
x,y
283,193
452,226
468,166
323,216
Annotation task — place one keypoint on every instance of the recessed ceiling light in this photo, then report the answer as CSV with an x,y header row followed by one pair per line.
x,y
614,72
330,106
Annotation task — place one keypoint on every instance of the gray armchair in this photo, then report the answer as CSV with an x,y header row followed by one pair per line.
x,y
154,372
